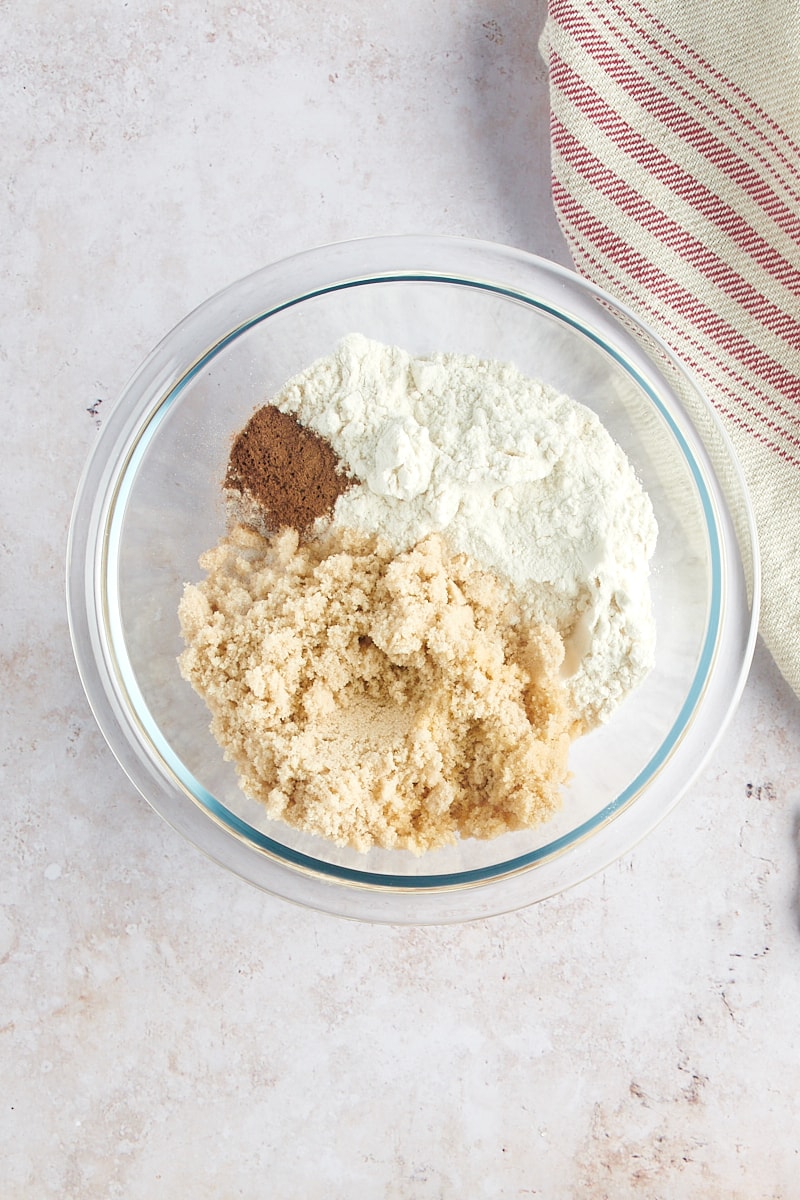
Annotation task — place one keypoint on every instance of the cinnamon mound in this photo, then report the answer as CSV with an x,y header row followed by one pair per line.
x,y
283,472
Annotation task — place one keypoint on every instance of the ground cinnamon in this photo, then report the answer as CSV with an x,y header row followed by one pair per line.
x,y
291,473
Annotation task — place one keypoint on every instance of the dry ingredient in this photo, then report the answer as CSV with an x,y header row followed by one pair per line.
x,y
521,478
280,473
436,577
376,698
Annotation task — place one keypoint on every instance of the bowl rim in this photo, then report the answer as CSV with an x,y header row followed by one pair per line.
x,y
99,504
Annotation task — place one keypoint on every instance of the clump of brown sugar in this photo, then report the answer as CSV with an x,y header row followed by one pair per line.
x,y
281,473
377,699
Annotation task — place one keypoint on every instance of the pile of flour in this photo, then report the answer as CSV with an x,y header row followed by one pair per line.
x,y
524,480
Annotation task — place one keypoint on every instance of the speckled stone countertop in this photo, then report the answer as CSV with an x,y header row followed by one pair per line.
x,y
165,1029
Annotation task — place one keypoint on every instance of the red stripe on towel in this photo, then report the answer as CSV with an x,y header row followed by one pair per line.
x,y
671,175
678,298
675,236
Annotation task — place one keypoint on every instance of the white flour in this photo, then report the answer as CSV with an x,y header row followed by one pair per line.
x,y
521,478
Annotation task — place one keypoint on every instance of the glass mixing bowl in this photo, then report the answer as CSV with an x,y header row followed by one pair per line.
x,y
150,502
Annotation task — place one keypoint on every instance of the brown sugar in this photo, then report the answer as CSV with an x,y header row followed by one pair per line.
x,y
374,699
289,474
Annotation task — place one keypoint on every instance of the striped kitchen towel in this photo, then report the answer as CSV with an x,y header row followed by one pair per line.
x,y
675,130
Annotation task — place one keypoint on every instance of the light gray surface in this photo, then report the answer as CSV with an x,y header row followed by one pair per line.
x,y
167,1030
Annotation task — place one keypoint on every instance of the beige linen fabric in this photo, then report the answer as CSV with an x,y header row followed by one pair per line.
x,y
675,129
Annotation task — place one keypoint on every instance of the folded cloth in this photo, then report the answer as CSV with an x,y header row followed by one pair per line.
x,y
675,130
